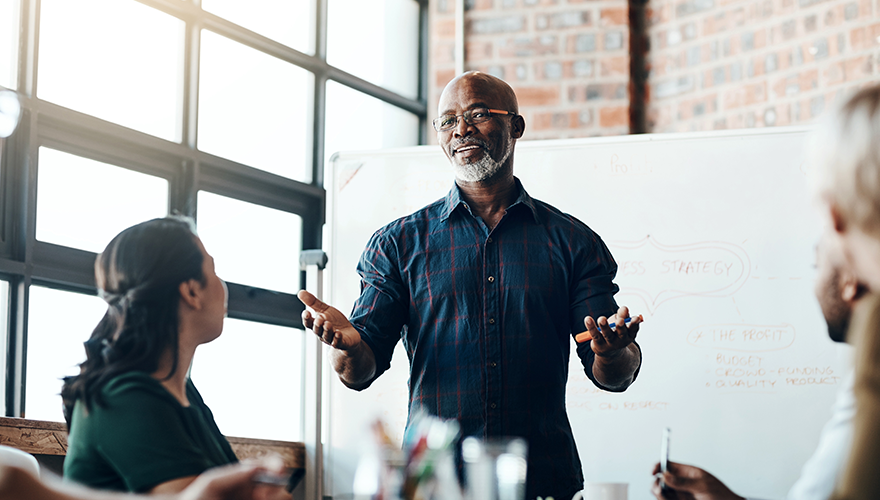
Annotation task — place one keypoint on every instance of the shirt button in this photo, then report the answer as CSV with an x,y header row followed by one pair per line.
x,y
492,364
489,240
491,279
491,321
492,406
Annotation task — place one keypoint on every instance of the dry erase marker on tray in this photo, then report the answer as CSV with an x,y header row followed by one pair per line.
x,y
585,336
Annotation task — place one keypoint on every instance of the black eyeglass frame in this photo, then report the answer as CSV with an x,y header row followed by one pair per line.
x,y
467,116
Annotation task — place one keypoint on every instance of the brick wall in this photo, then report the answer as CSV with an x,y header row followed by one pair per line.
x,y
718,64
567,60
713,64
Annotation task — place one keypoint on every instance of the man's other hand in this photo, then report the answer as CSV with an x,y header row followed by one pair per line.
x,y
686,482
607,341
328,323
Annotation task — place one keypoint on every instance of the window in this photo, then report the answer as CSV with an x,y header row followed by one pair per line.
x,y
4,333
83,203
286,21
265,378
265,129
58,324
118,60
217,109
373,40
251,244
8,42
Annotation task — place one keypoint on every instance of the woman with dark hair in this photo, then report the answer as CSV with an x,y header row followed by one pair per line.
x,y
136,421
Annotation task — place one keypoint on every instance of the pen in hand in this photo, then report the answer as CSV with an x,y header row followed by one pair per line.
x,y
585,336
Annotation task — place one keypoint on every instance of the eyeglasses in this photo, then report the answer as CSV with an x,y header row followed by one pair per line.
x,y
471,117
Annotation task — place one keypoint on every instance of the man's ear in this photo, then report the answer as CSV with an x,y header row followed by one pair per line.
x,y
850,289
190,294
517,126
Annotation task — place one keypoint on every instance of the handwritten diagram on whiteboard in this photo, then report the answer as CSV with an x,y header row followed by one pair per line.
x,y
714,237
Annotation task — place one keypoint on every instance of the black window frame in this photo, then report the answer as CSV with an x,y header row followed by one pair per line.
x,y
24,261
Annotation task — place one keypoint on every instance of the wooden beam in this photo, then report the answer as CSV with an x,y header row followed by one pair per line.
x,y
39,437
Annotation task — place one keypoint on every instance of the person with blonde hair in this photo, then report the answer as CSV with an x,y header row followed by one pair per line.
x,y
846,164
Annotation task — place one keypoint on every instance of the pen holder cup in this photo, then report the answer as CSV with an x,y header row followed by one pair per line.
x,y
495,469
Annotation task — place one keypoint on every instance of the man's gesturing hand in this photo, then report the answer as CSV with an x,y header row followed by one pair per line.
x,y
328,323
605,340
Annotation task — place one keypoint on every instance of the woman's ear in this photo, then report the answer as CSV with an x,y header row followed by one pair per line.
x,y
190,293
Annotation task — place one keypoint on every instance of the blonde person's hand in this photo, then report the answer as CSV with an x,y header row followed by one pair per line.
x,y
328,323
271,463
231,482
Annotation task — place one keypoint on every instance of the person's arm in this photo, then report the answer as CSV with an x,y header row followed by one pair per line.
x,y
224,483
352,358
686,482
617,357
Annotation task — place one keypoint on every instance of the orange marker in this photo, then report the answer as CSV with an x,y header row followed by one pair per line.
x,y
585,336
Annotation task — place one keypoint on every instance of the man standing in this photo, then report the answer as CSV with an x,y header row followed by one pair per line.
x,y
838,292
486,287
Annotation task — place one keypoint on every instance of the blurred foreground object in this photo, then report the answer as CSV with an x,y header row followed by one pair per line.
x,y
424,469
10,112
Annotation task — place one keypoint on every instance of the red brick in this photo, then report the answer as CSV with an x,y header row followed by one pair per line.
x,y
444,53
615,16
615,116
442,77
537,96
858,68
443,28
478,51
614,66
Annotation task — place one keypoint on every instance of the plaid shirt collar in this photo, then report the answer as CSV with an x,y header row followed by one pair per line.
x,y
454,199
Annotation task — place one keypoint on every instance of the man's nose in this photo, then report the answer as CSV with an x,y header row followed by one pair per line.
x,y
462,128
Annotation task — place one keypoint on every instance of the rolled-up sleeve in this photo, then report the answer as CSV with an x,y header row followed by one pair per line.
x,y
592,294
381,310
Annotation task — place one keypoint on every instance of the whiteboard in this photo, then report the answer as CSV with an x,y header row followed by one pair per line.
x,y
714,235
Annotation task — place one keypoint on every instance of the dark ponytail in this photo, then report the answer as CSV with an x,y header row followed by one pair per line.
x,y
138,275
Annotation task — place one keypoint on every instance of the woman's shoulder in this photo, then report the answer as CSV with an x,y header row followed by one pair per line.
x,y
134,384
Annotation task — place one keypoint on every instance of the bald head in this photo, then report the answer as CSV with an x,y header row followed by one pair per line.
x,y
476,81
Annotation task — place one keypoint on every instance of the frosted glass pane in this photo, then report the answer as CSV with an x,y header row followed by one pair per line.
x,y
9,15
290,22
388,126
377,41
251,245
4,332
118,60
254,108
83,203
252,374
58,324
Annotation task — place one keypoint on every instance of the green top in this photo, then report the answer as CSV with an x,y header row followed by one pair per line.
x,y
142,436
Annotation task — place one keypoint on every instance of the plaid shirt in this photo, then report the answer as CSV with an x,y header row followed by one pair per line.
x,y
487,320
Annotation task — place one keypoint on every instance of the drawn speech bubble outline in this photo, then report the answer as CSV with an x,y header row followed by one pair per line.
x,y
658,273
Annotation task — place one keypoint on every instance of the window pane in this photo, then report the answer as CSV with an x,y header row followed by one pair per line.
x,y
377,41
254,108
58,324
252,370
290,22
251,245
348,110
118,60
4,332
8,42
83,203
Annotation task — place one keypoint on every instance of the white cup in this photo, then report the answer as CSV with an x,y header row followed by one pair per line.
x,y
602,491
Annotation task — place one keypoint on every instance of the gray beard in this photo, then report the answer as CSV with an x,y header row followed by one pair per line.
x,y
483,169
